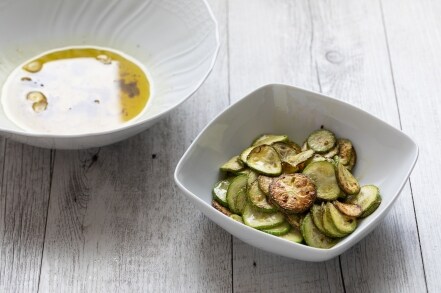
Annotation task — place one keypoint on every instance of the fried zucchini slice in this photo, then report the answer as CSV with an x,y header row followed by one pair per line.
x,y
344,150
313,237
342,222
351,210
294,193
295,146
220,191
328,224
221,208
284,149
332,152
323,176
233,165
254,218
321,140
295,163
264,183
236,189
347,182
236,218
294,235
244,155
264,159
305,146
269,139
258,199
317,216
294,220
279,230
368,199
352,161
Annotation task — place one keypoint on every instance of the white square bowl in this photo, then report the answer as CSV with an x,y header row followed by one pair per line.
x,y
385,156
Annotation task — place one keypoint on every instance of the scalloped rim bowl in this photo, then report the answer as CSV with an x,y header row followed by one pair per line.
x,y
177,41
296,112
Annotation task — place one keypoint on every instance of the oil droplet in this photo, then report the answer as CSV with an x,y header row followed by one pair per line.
x,y
35,97
33,66
104,59
39,106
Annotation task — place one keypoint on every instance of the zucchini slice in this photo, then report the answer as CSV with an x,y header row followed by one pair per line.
x,y
305,146
294,235
252,177
254,218
343,223
279,230
332,152
323,176
269,139
351,210
297,160
220,191
284,149
221,208
241,200
233,165
237,187
328,224
264,183
236,218
294,193
264,159
321,140
368,199
244,155
344,150
317,217
347,182
352,161
258,199
313,237
295,146
294,220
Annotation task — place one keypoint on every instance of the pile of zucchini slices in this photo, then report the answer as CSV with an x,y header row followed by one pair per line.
x,y
302,194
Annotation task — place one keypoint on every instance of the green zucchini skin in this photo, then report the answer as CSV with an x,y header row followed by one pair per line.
x,y
278,230
294,235
237,187
220,191
233,165
254,218
369,199
342,223
313,237
317,217
237,218
329,226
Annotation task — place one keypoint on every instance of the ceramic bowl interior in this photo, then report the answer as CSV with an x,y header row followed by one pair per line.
x,y
385,158
176,40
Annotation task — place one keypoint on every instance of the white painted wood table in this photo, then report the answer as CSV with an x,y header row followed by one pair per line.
x,y
112,219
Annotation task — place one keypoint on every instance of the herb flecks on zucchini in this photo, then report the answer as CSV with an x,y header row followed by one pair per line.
x,y
321,140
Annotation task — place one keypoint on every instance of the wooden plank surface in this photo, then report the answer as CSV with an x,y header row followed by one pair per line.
x,y
414,35
24,198
117,222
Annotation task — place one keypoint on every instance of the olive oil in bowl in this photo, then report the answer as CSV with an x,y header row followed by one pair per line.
x,y
76,90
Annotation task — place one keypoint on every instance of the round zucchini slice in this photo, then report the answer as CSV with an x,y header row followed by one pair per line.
x,y
294,235
351,210
233,165
343,223
368,199
220,191
296,161
323,175
254,218
294,193
236,218
269,139
328,224
321,140
284,149
237,187
313,237
317,217
264,159
279,230
264,183
347,182
352,161
244,155
221,208
344,150
258,199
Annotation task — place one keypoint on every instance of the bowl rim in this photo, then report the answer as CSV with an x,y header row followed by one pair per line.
x,y
141,121
340,247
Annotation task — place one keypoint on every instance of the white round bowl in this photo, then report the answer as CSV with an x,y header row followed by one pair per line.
x,y
176,40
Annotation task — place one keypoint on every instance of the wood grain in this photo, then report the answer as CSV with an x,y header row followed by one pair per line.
x,y
270,41
117,222
414,37
352,60
24,201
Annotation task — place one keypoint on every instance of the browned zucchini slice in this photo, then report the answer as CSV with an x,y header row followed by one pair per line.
x,y
294,163
352,210
264,159
347,182
368,199
321,140
293,192
344,150
221,208
343,223
264,183
284,149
